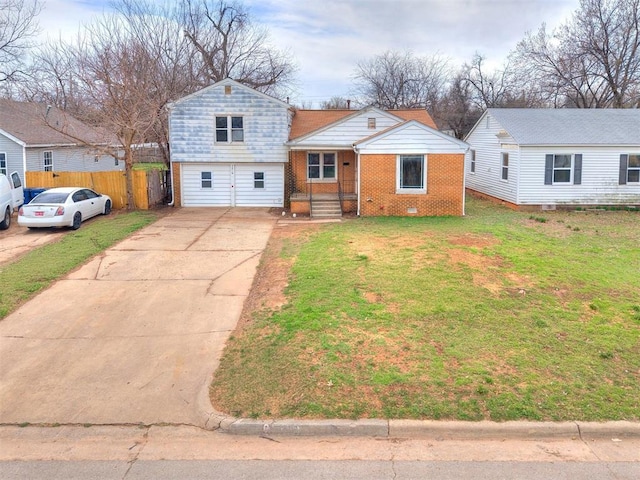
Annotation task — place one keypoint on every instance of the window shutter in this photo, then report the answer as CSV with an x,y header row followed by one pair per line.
x,y
624,161
577,169
548,170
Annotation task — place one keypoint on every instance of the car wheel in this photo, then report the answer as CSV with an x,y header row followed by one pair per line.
x,y
107,207
77,221
6,222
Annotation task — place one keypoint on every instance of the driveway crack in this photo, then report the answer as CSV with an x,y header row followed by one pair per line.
x,y
145,439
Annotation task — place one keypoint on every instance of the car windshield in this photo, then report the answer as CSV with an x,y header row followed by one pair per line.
x,y
50,197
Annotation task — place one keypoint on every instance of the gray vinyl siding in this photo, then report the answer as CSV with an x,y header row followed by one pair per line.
x,y
265,124
13,152
71,159
488,175
599,183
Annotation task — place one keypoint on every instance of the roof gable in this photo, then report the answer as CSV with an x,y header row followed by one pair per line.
x,y
35,124
345,127
568,126
412,136
231,83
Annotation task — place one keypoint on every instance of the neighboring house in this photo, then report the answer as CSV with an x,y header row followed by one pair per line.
x,y
31,140
375,162
228,147
234,146
544,158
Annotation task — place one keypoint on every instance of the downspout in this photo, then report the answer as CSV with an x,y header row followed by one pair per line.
x,y
24,165
173,191
355,150
464,183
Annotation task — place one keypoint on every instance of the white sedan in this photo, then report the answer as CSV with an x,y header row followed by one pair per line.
x,y
63,207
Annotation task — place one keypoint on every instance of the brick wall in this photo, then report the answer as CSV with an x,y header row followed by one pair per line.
x,y
177,192
445,187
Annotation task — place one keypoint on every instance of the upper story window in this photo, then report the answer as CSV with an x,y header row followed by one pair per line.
x,y
473,161
321,166
229,129
629,168
505,166
3,163
411,174
371,122
48,161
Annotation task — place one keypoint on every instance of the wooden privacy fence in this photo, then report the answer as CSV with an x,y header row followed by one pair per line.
x,y
149,187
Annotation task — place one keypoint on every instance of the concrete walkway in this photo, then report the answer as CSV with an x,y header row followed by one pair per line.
x,y
134,335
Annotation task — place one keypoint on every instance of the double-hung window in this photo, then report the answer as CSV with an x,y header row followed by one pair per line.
x,y
505,166
229,129
258,179
48,161
473,161
321,166
206,179
3,163
629,168
411,174
563,169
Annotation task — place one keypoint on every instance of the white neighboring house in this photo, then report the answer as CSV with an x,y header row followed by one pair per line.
x,y
30,140
554,157
228,147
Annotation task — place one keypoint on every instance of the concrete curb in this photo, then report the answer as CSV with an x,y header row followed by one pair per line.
x,y
449,430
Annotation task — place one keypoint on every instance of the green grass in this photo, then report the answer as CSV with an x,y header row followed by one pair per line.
x,y
36,270
492,316
150,166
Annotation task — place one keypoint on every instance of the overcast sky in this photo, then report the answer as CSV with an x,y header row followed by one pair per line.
x,y
328,37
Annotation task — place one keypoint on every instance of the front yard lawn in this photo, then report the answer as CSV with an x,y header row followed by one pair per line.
x,y
499,315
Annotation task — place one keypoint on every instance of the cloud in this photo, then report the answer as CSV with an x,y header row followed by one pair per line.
x,y
329,37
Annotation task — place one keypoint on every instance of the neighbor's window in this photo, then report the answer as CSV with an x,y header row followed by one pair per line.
x,y
473,161
562,168
411,173
505,166
48,161
258,179
321,166
229,129
3,163
633,169
206,179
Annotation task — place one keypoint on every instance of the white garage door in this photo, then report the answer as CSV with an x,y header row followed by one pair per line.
x,y
242,185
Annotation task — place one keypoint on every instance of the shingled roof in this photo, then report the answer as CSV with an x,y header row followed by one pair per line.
x,y
575,126
307,121
31,124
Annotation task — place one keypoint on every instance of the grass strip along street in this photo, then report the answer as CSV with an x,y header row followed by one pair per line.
x,y
499,315
37,269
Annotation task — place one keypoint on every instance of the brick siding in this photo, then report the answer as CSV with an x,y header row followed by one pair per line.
x,y
177,186
445,187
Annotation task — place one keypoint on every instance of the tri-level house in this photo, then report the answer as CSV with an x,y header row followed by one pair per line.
x,y
551,158
234,146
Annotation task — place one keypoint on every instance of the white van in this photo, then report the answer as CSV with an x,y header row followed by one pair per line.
x,y
11,197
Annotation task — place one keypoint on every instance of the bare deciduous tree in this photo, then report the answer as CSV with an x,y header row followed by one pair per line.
x,y
231,45
401,80
591,61
18,27
336,103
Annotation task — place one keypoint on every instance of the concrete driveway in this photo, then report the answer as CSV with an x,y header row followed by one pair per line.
x,y
134,335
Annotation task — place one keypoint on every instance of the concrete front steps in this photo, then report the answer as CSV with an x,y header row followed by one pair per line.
x,y
325,208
